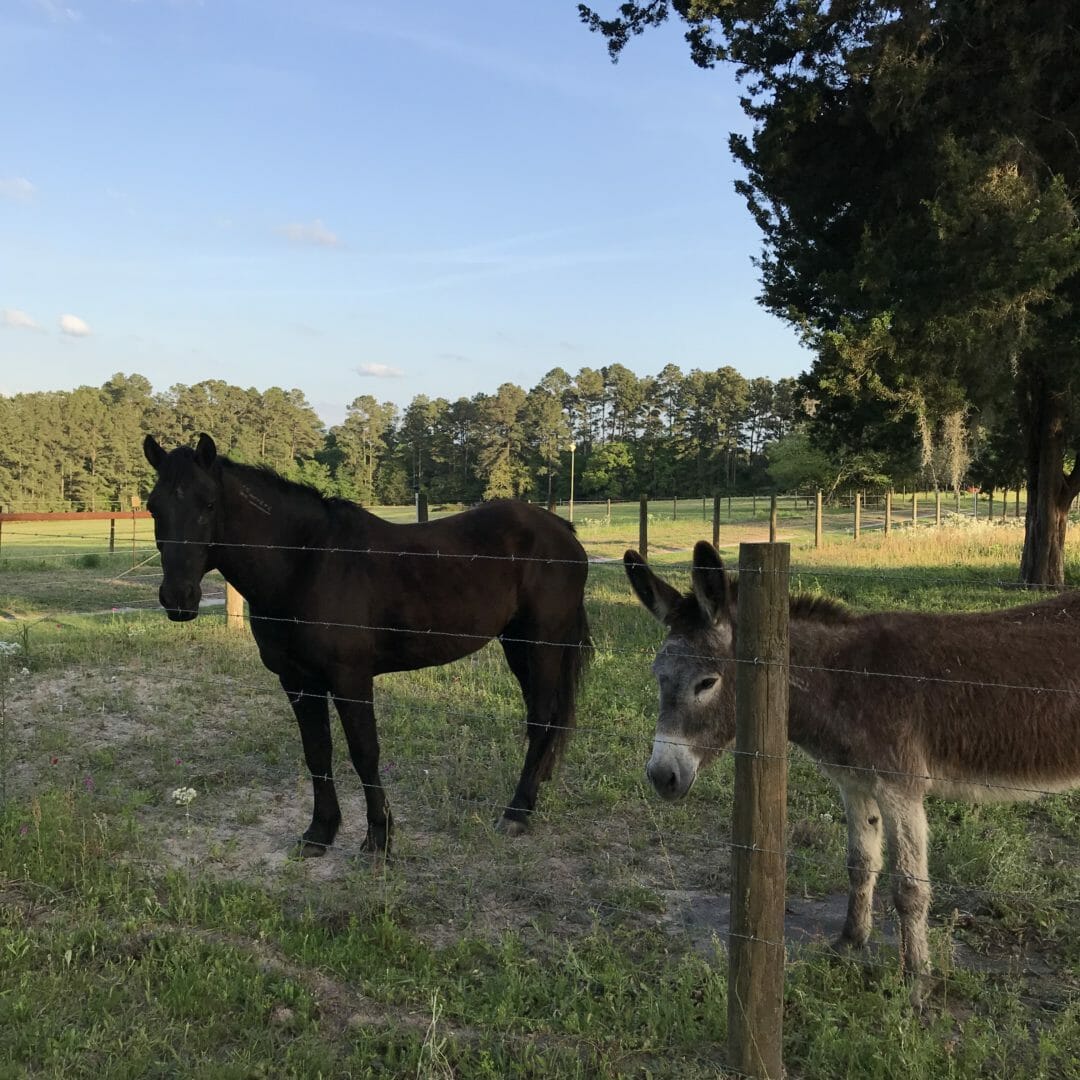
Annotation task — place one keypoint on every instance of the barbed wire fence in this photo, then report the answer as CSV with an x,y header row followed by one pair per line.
x,y
754,853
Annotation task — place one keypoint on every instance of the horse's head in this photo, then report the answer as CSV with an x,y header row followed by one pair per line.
x,y
693,668
186,506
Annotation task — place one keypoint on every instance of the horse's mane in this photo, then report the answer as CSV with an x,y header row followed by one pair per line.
x,y
333,503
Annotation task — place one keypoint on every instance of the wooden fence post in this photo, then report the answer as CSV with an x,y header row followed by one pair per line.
x,y
914,509
112,535
817,520
937,507
234,608
772,519
675,508
716,520
643,527
858,513
421,507
888,512
758,825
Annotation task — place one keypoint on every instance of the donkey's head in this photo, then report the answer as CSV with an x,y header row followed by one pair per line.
x,y
186,506
693,668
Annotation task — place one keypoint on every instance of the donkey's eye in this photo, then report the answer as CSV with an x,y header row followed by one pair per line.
x,y
705,684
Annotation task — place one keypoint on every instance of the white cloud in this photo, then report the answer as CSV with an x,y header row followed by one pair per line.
x,y
379,371
74,326
18,320
310,232
17,187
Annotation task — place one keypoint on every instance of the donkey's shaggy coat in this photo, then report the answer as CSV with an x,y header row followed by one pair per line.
x,y
892,706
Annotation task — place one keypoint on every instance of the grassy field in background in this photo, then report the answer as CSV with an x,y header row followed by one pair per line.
x,y
141,938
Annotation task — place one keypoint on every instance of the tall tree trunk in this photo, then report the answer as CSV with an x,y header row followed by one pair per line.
x,y
1050,490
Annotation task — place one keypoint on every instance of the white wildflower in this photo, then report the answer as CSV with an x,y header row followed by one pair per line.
x,y
10,648
183,796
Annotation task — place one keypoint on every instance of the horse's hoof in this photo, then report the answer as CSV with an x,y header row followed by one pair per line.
x,y
311,849
376,845
511,827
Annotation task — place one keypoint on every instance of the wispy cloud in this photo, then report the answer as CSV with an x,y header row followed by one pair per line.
x,y
73,326
310,232
17,187
58,13
18,320
455,357
379,371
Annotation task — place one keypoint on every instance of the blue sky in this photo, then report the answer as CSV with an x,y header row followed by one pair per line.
x,y
364,198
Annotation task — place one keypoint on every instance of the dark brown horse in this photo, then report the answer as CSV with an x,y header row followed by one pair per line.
x,y
892,706
337,596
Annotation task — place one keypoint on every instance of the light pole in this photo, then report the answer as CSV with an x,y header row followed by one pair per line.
x,y
573,447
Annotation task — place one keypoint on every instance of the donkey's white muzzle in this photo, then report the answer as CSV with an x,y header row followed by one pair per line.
x,y
673,766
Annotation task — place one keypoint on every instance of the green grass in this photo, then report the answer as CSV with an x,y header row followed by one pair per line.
x,y
138,938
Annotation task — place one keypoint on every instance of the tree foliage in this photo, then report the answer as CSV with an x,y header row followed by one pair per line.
x,y
914,169
674,433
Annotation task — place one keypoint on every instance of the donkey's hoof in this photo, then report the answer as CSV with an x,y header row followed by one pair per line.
x,y
511,827
846,944
922,986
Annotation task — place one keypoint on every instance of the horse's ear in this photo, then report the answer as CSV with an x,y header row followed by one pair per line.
x,y
710,582
658,596
154,454
205,451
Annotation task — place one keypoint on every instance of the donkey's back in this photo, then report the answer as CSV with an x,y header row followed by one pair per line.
x,y
985,706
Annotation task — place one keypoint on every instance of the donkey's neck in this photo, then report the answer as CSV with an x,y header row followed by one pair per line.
x,y
812,723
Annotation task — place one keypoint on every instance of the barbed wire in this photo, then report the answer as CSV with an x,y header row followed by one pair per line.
x,y
935,883
430,766
1023,790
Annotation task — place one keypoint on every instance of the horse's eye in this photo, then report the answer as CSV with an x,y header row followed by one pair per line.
x,y
705,684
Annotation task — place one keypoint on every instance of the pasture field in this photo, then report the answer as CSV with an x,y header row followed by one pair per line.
x,y
141,938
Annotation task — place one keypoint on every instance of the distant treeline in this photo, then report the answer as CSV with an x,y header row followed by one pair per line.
x,y
670,434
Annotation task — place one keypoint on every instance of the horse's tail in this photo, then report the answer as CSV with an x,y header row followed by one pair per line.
x,y
576,655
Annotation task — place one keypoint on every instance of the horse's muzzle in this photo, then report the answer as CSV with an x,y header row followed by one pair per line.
x,y
181,605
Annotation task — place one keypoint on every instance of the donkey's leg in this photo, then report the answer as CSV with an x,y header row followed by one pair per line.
x,y
313,716
356,708
537,669
863,862
907,834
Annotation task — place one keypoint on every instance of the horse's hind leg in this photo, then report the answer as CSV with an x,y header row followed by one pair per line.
x,y
537,669
907,834
313,716
357,711
863,863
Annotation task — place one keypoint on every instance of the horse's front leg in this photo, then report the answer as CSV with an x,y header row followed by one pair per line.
x,y
313,716
354,699
863,863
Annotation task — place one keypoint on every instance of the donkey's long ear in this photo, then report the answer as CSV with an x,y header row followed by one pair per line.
x,y
205,451
658,596
154,454
710,582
